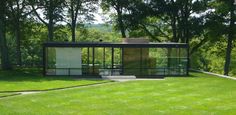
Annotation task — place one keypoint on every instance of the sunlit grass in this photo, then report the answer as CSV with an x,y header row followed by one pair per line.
x,y
34,80
197,94
7,94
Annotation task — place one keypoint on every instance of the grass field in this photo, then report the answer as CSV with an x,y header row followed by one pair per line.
x,y
33,80
196,94
7,94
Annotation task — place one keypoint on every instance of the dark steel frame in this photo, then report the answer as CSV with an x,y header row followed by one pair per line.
x,y
94,45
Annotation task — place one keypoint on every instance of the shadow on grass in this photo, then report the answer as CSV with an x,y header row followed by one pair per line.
x,y
27,75
35,75
191,75
56,88
2,95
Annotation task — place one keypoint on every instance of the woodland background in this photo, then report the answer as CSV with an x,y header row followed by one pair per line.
x,y
207,25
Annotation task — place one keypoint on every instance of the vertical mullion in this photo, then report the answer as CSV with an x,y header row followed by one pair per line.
x,y
176,60
122,59
93,59
112,60
179,61
188,63
88,68
141,57
44,60
104,57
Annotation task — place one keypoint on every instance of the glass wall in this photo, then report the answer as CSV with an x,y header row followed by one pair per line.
x,y
50,61
63,61
100,61
117,61
107,68
157,61
183,61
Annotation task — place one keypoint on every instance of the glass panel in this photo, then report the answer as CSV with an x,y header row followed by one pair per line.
x,y
145,61
117,62
64,61
157,61
98,60
50,61
105,61
132,61
172,61
90,61
85,61
108,56
183,60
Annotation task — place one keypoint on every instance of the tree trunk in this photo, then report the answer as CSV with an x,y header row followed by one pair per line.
x,y
230,40
194,48
187,32
186,23
73,26
3,44
73,20
121,24
18,44
50,30
174,29
18,33
50,23
228,56
149,33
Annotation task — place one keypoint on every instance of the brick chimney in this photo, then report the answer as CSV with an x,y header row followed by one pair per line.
x,y
135,41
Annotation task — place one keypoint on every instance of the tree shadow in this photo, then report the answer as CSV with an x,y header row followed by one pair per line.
x,y
35,75
186,76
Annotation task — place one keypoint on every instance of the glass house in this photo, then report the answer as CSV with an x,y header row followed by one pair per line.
x,y
104,59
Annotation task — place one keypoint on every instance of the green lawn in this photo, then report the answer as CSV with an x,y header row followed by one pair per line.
x,y
7,94
33,80
198,94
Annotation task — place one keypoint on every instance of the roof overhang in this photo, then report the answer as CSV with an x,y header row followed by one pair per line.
x,y
117,45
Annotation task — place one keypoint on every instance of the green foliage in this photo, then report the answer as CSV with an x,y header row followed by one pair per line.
x,y
211,57
233,62
34,35
62,33
95,35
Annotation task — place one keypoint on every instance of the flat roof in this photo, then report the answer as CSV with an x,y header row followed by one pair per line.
x,y
116,45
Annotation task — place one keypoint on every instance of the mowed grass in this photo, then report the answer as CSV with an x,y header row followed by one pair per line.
x,y
30,79
7,94
197,94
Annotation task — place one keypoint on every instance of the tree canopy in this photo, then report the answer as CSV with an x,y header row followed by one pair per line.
x,y
26,24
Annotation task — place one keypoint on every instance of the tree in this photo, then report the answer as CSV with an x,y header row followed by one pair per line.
x,y
78,8
52,9
231,34
3,43
119,6
18,10
139,21
222,23
167,20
